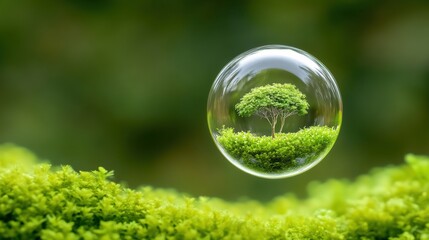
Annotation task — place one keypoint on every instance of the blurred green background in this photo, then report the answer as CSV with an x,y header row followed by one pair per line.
x,y
124,84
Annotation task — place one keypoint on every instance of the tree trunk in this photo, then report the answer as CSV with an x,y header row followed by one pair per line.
x,y
282,123
273,128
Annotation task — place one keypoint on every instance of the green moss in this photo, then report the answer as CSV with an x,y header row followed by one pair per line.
x,y
284,152
37,202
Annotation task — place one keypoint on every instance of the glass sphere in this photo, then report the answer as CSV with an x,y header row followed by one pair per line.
x,y
274,111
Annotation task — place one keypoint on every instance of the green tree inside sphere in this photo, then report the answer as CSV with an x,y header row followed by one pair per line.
x,y
273,102
286,87
280,152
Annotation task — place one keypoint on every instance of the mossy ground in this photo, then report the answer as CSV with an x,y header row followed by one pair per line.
x,y
41,202
287,151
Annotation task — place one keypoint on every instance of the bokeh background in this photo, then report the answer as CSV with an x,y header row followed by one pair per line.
x,y
124,84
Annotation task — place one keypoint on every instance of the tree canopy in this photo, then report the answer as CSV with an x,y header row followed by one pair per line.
x,y
272,102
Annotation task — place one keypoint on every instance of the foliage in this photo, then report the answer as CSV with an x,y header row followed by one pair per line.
x,y
286,151
37,202
272,102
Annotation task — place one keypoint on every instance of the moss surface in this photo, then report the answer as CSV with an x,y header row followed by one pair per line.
x,y
286,151
38,202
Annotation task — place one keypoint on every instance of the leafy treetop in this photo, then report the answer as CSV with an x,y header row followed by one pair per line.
x,y
272,102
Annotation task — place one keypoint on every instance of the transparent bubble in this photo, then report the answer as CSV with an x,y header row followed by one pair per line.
x,y
274,111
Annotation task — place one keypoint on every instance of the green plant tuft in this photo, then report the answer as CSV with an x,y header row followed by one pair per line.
x,y
287,151
38,202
